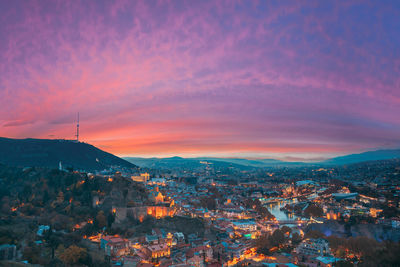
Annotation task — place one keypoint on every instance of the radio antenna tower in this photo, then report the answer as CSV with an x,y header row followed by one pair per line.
x,y
77,129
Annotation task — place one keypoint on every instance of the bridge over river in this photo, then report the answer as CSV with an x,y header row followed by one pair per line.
x,y
282,222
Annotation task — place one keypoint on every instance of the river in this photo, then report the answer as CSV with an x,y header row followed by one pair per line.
x,y
275,209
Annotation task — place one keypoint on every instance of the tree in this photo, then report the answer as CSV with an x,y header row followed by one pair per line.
x,y
46,197
389,212
259,208
125,193
286,229
209,203
296,238
314,234
89,229
32,254
336,244
101,220
267,241
314,211
110,219
277,238
362,245
52,240
340,253
263,244
264,212
73,255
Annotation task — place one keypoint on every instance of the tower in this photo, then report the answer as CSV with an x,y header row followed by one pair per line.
x,y
77,129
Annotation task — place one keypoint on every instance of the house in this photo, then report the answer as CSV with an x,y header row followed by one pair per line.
x,y
105,239
375,212
8,252
245,225
115,245
236,212
313,246
158,251
196,260
42,229
142,178
205,252
131,261
152,239
333,214
180,237
306,183
396,222
156,196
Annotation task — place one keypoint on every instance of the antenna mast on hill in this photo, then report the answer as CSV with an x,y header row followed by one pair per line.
x,y
77,129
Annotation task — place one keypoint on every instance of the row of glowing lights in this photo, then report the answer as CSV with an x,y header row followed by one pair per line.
x,y
252,254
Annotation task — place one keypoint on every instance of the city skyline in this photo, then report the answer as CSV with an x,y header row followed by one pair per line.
x,y
309,80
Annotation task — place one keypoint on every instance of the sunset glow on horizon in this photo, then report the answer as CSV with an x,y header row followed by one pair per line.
x,y
304,80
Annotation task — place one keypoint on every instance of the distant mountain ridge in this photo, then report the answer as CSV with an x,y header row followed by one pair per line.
x,y
184,163
178,162
342,160
366,156
83,156
49,152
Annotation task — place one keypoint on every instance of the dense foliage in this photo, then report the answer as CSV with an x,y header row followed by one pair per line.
x,y
65,201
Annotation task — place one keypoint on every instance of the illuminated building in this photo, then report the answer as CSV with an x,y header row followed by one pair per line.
x,y
247,225
157,181
333,215
95,201
374,212
114,245
142,212
156,196
169,239
142,178
160,211
158,251
314,247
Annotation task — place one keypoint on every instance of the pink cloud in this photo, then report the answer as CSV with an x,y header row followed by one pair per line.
x,y
193,77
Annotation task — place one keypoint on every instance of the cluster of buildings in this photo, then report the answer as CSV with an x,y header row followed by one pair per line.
x,y
159,248
235,209
234,216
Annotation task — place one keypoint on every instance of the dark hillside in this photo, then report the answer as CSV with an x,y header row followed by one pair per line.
x,y
48,153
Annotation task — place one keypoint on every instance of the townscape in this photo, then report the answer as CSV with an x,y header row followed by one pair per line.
x,y
208,216
199,133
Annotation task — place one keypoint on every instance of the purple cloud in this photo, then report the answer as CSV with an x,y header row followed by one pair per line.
x,y
157,77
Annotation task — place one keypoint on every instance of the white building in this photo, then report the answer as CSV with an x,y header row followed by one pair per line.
x,y
312,246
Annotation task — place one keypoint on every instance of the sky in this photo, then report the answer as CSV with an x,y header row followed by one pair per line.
x,y
294,80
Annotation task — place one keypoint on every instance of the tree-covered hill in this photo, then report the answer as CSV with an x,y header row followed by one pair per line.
x,y
72,204
49,153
